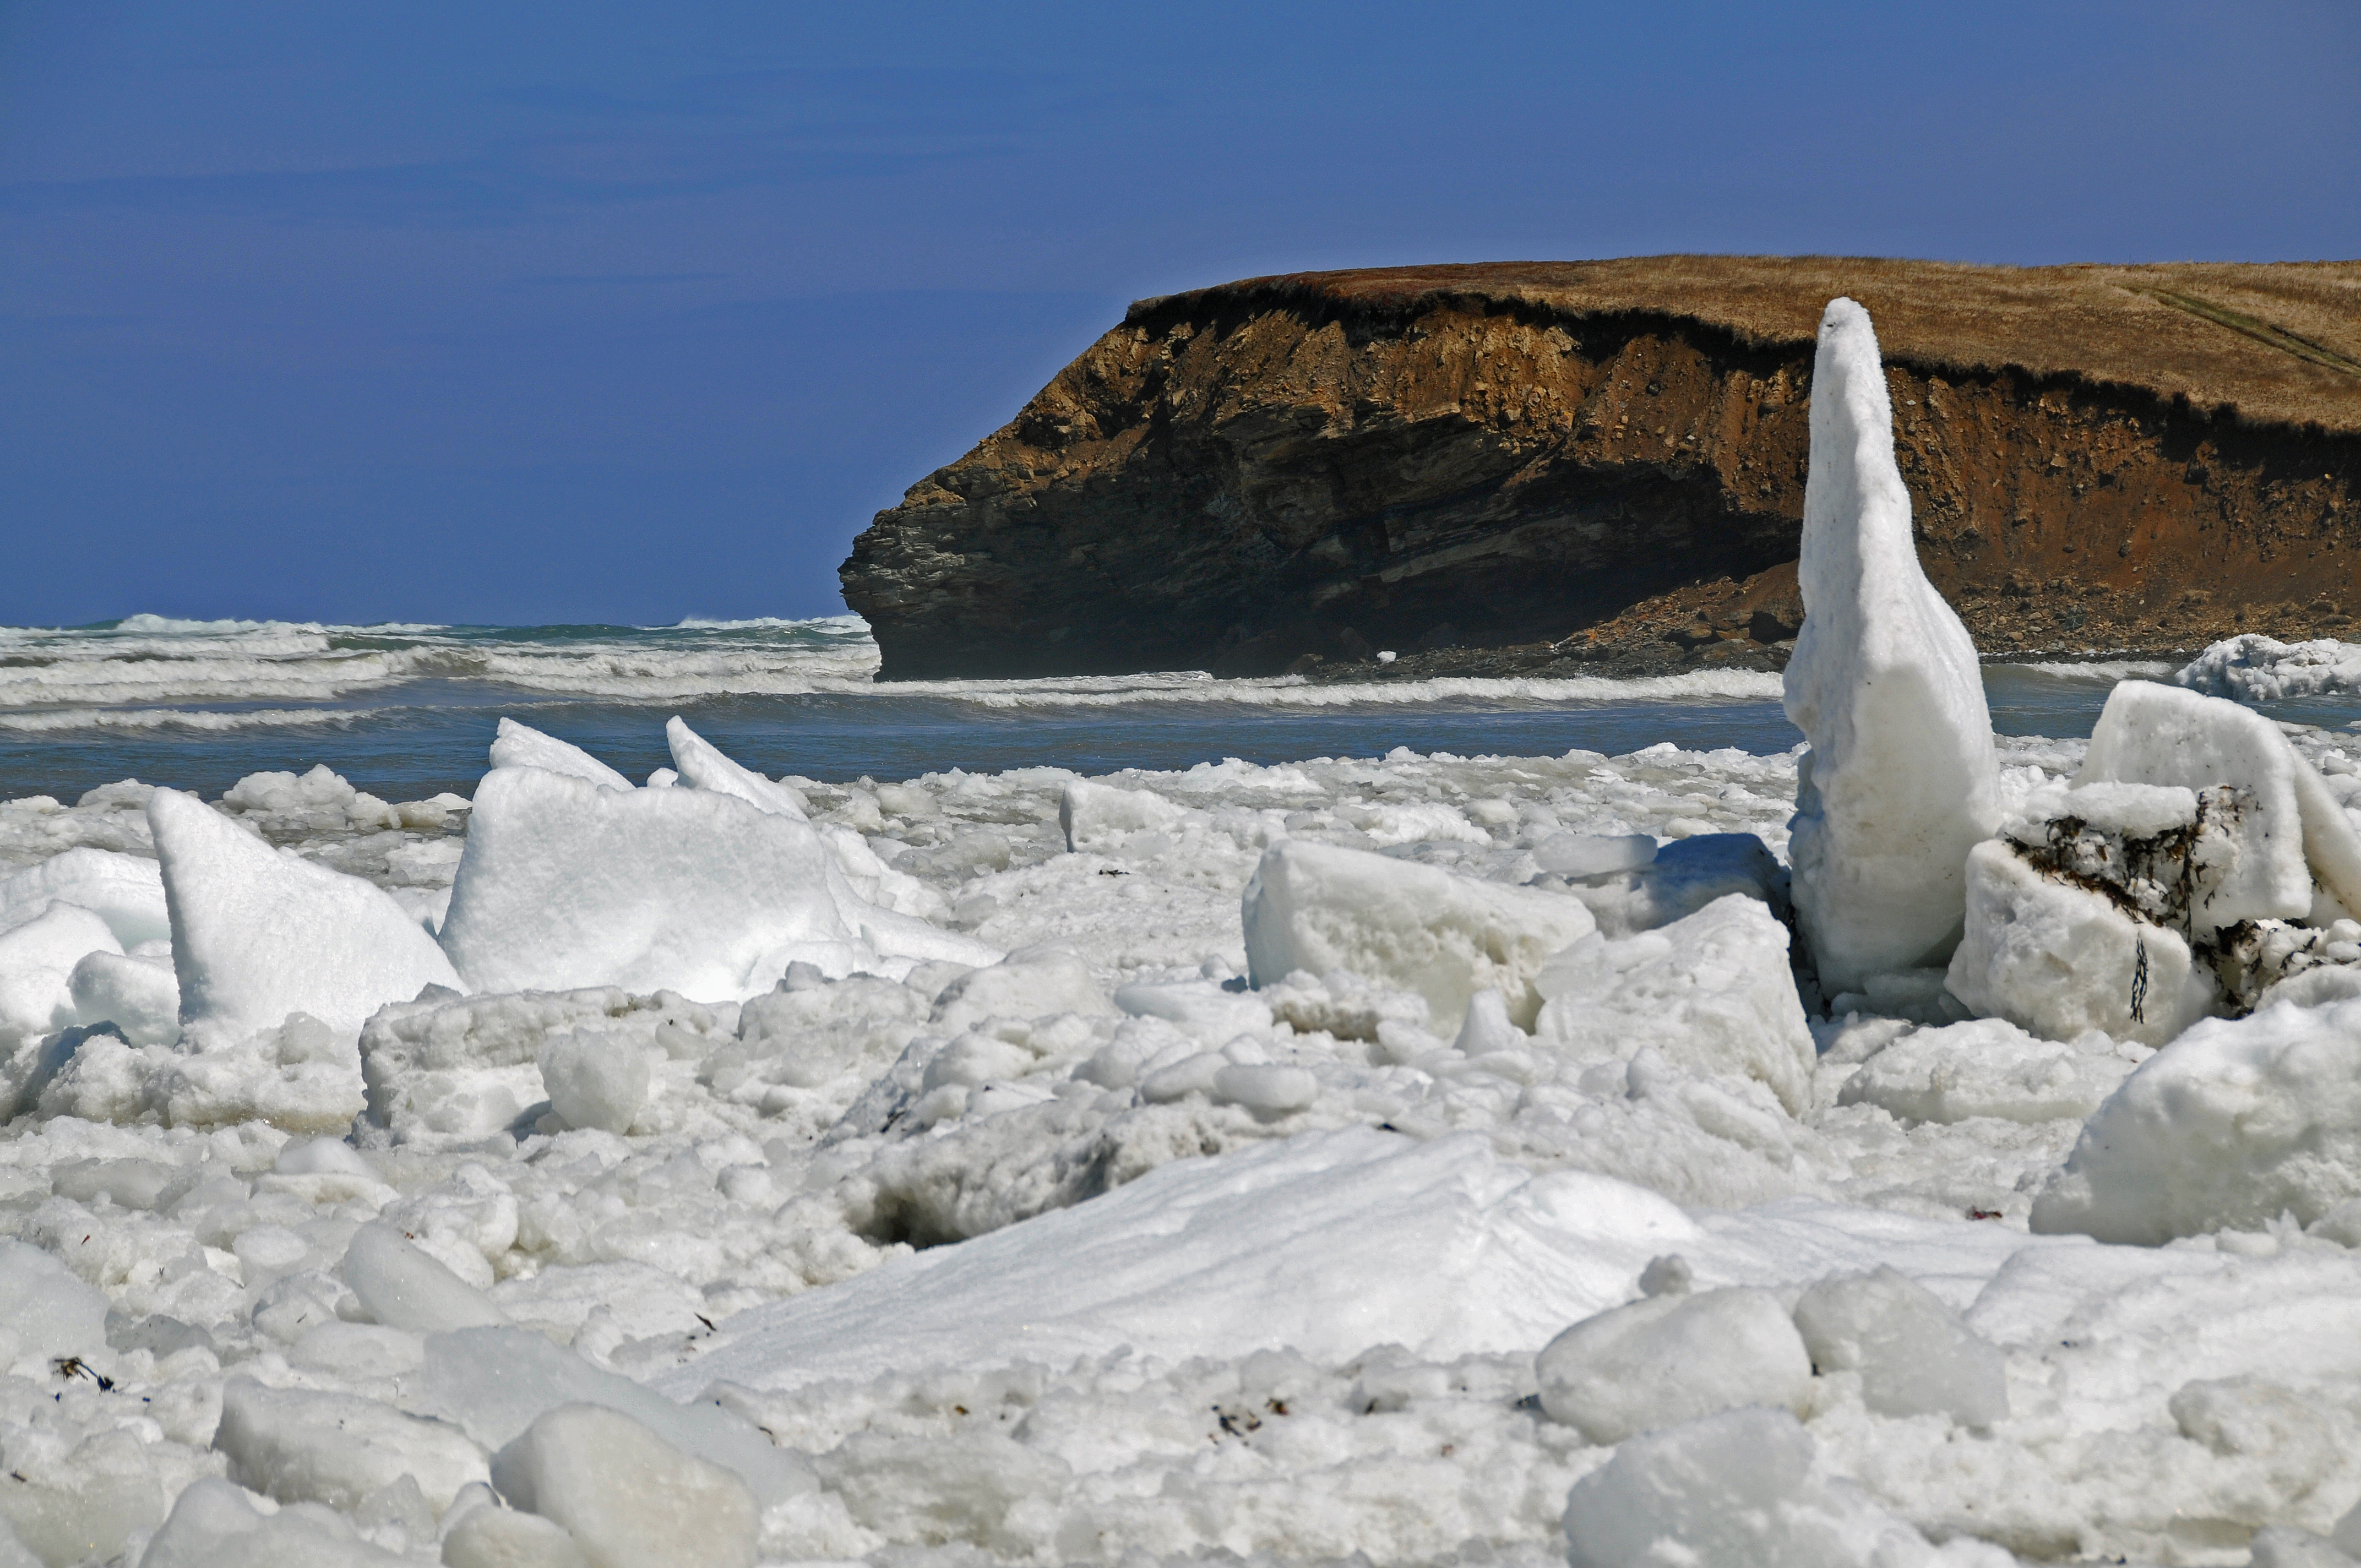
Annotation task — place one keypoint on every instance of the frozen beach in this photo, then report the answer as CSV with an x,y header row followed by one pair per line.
x,y
601,1107
913,1229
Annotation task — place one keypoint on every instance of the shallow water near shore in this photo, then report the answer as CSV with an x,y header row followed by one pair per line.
x,y
406,711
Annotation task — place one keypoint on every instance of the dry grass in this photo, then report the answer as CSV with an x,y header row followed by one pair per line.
x,y
2279,342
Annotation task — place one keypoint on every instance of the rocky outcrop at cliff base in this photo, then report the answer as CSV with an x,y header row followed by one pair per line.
x,y
1607,460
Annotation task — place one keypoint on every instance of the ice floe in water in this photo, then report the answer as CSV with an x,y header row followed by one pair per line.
x,y
2255,668
1414,1159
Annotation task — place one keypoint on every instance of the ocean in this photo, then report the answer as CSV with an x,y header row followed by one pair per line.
x,y
406,711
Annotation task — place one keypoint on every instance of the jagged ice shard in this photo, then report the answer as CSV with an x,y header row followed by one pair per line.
x,y
1901,781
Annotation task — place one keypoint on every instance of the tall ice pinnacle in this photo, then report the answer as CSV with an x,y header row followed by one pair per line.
x,y
1901,781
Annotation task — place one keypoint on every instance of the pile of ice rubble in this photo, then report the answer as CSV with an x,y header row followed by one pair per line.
x,y
1424,1159
2256,668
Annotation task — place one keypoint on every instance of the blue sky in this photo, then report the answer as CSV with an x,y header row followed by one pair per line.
x,y
540,312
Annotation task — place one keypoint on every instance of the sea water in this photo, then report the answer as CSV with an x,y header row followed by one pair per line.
x,y
405,711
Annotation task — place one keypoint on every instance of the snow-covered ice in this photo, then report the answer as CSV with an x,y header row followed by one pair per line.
x,y
2160,734
2237,1123
1899,782
1315,907
2061,960
2196,864
1097,1250
259,933
1671,1358
629,1498
2252,667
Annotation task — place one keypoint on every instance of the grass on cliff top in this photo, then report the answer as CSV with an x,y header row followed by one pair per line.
x,y
2279,341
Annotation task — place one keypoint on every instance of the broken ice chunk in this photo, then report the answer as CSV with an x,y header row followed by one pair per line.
x,y
1915,1355
1712,993
48,1309
2175,856
631,1499
1106,818
596,1079
401,1286
36,965
1987,1067
2151,734
258,933
2058,959
565,884
216,1524
2255,958
494,1537
1680,878
299,1446
1317,907
494,1383
1487,1028
703,765
1671,1358
1589,854
1031,982
125,891
2227,1127
2184,836
1901,778
1268,1090
141,997
521,746
1742,1488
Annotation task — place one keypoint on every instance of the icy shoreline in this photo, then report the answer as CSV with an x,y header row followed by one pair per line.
x,y
752,1173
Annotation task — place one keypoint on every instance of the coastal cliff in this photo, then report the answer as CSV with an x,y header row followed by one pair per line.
x,y
1518,467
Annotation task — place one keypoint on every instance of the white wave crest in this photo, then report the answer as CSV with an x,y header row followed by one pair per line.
x,y
145,676
1195,687
148,665
2255,668
842,625
65,720
171,626
2102,671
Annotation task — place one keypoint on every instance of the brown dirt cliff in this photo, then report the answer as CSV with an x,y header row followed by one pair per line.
x,y
1518,465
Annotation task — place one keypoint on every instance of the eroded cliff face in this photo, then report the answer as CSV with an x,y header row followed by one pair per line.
x,y
1237,478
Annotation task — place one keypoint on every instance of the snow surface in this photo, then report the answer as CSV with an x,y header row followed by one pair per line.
x,y
2237,1122
1065,1242
1900,778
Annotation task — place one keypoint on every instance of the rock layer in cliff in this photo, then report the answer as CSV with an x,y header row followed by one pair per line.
x,y
1253,476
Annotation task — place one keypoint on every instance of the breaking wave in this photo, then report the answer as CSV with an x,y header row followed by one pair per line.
x,y
64,720
146,669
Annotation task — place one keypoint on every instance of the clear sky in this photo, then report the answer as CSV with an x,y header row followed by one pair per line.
x,y
536,312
